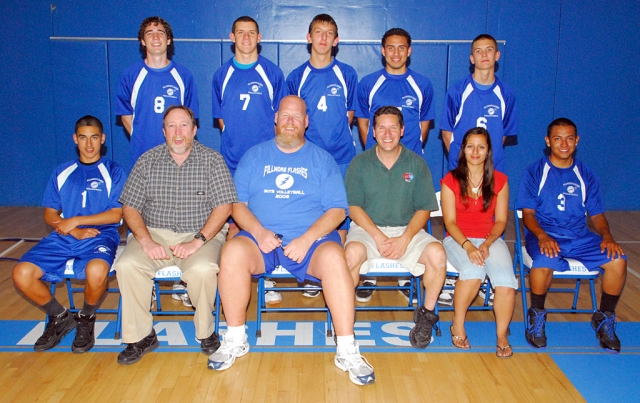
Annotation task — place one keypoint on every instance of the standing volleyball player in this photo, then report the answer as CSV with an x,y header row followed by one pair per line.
x,y
480,100
81,204
328,87
147,89
150,86
397,85
247,90
246,93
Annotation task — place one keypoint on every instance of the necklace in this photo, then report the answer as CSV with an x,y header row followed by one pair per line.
x,y
475,188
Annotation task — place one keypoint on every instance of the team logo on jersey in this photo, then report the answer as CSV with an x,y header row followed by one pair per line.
x,y
408,101
334,90
284,181
407,176
491,111
102,249
570,189
255,87
94,184
170,91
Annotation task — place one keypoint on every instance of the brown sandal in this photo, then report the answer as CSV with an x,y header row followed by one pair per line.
x,y
461,342
502,350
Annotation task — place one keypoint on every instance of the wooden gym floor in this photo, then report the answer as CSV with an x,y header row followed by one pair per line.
x,y
283,376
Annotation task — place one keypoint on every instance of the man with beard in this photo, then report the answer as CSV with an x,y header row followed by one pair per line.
x,y
292,199
176,203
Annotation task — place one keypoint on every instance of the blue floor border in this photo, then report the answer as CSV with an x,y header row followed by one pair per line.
x,y
307,336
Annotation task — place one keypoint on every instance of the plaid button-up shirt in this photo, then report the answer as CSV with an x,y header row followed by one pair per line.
x,y
179,198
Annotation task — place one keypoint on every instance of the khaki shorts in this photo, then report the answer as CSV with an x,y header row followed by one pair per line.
x,y
410,258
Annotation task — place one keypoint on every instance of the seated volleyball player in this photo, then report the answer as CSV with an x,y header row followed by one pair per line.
x,y
475,206
292,199
81,204
556,194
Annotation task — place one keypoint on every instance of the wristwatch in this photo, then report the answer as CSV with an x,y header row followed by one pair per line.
x,y
200,237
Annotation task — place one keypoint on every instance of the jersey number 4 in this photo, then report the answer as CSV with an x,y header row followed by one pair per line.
x,y
322,104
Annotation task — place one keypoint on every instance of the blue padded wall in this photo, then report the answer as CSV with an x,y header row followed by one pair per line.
x,y
574,59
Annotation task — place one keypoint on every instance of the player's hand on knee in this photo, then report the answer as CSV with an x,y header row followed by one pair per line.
x,y
614,251
548,246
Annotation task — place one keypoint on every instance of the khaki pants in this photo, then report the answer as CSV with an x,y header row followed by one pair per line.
x,y
135,271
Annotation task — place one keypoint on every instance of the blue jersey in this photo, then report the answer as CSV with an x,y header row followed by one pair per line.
x,y
329,94
466,106
561,197
411,92
246,100
77,189
288,192
146,93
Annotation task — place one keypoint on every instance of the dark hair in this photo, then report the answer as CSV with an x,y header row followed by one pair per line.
x,y
461,172
244,18
561,122
184,108
89,120
323,19
398,32
484,36
155,20
388,110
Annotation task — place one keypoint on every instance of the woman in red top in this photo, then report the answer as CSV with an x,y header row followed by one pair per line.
x,y
475,205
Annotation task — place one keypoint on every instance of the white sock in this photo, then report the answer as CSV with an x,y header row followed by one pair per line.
x,y
235,332
345,340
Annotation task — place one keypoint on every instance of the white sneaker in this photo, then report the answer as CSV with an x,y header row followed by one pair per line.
x,y
446,296
348,358
182,296
311,293
228,351
271,297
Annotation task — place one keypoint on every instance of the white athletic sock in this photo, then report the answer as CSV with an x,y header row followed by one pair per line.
x,y
235,332
344,341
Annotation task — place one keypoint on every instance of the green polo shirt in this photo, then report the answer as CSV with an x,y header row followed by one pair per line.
x,y
390,196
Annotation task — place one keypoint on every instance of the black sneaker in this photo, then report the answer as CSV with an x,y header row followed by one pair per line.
x,y
134,351
420,336
406,293
604,323
536,320
84,339
209,345
58,327
365,295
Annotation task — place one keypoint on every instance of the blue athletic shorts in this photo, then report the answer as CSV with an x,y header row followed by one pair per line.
x,y
51,254
585,249
277,258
